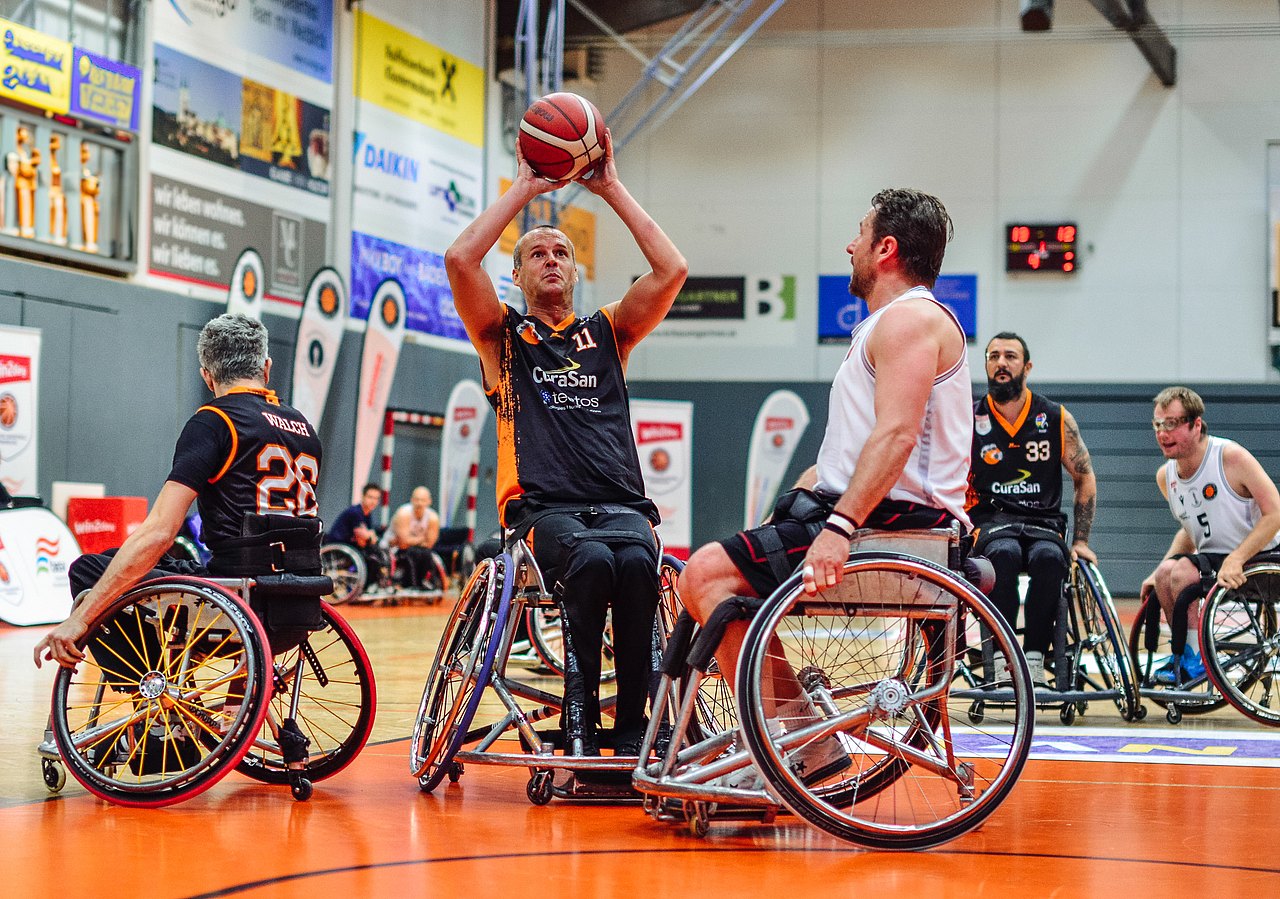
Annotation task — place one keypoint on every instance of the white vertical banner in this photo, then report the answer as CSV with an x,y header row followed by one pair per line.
x,y
663,430
19,408
780,424
382,341
324,315
464,419
244,294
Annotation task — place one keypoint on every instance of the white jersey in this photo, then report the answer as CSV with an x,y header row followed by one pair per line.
x,y
937,471
1215,517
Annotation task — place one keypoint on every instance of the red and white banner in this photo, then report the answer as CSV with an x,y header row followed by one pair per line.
x,y
663,430
19,403
382,341
36,550
244,294
464,419
324,315
779,426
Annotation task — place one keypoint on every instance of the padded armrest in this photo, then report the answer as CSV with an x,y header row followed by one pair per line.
x,y
287,584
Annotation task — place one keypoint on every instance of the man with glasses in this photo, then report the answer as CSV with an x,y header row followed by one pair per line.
x,y
1021,444
1228,509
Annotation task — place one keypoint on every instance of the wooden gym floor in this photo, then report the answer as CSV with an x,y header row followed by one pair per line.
x,y
1102,805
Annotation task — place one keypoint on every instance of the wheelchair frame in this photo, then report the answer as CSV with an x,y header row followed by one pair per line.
x,y
472,658
897,627
188,672
1198,696
350,572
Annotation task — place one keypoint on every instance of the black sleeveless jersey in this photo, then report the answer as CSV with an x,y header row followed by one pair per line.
x,y
246,452
563,419
1016,470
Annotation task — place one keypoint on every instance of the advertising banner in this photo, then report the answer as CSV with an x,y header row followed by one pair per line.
x,y
244,296
780,423
418,167
105,90
240,140
839,312
464,419
36,551
324,316
36,68
19,409
382,341
740,309
663,431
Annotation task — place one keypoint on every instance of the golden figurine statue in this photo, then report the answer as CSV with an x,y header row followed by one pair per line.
x,y
24,165
89,189
57,199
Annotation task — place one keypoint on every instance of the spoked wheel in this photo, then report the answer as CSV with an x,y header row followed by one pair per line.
x,y
716,708
337,700
1241,643
460,671
169,697
347,566
1146,661
1101,643
902,765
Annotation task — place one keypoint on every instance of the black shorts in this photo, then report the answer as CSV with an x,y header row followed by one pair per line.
x,y
748,555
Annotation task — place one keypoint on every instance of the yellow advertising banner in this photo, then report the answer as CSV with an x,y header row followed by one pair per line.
x,y
34,68
577,224
409,76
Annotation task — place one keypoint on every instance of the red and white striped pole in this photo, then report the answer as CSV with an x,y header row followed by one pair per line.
x,y
388,448
473,483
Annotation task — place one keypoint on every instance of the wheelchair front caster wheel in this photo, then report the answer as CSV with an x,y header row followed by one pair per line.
x,y
539,787
1067,714
455,772
1140,713
55,776
1174,715
301,788
976,709
698,818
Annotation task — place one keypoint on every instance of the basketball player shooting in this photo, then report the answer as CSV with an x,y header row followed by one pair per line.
x,y
569,477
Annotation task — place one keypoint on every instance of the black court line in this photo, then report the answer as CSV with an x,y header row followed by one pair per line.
x,y
508,856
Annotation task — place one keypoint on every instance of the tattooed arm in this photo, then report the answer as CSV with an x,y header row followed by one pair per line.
x,y
1075,459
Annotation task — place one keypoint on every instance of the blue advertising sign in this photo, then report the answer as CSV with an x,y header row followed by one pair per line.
x,y
839,312
105,90
428,299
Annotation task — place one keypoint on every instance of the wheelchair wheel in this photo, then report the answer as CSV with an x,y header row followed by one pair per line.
x,y
1241,643
337,702
879,653
547,636
460,671
716,709
1145,661
1102,657
169,697
346,565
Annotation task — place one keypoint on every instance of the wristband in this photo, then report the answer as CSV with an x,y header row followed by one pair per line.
x,y
836,528
844,521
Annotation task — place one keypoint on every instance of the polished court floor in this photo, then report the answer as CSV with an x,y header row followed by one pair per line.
x,y
1102,806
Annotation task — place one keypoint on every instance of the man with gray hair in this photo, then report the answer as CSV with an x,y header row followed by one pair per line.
x,y
243,452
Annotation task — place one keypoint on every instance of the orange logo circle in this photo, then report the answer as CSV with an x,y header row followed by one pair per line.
x,y
249,283
1210,491
328,300
8,410
390,312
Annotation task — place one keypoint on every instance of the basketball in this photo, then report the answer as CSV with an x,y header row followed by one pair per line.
x,y
562,136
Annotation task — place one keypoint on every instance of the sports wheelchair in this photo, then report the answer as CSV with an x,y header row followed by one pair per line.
x,y
1151,644
472,658
1089,659
186,678
349,569
878,656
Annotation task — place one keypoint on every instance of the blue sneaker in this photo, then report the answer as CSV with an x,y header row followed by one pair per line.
x,y
1190,663
1166,673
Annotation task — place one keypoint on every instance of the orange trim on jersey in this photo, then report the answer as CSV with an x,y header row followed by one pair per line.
x,y
566,321
264,392
235,441
1016,426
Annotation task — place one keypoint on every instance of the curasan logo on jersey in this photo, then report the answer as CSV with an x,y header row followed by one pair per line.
x,y
564,377
1017,487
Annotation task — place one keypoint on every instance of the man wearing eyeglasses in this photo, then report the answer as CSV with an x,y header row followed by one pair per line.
x,y
1228,509
1021,444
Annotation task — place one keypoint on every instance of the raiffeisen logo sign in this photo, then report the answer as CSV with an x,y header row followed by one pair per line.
x,y
15,368
651,431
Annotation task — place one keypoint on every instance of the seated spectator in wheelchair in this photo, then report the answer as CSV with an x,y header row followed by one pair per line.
x,y
414,530
569,478
1228,510
354,527
1021,444
242,453
895,454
